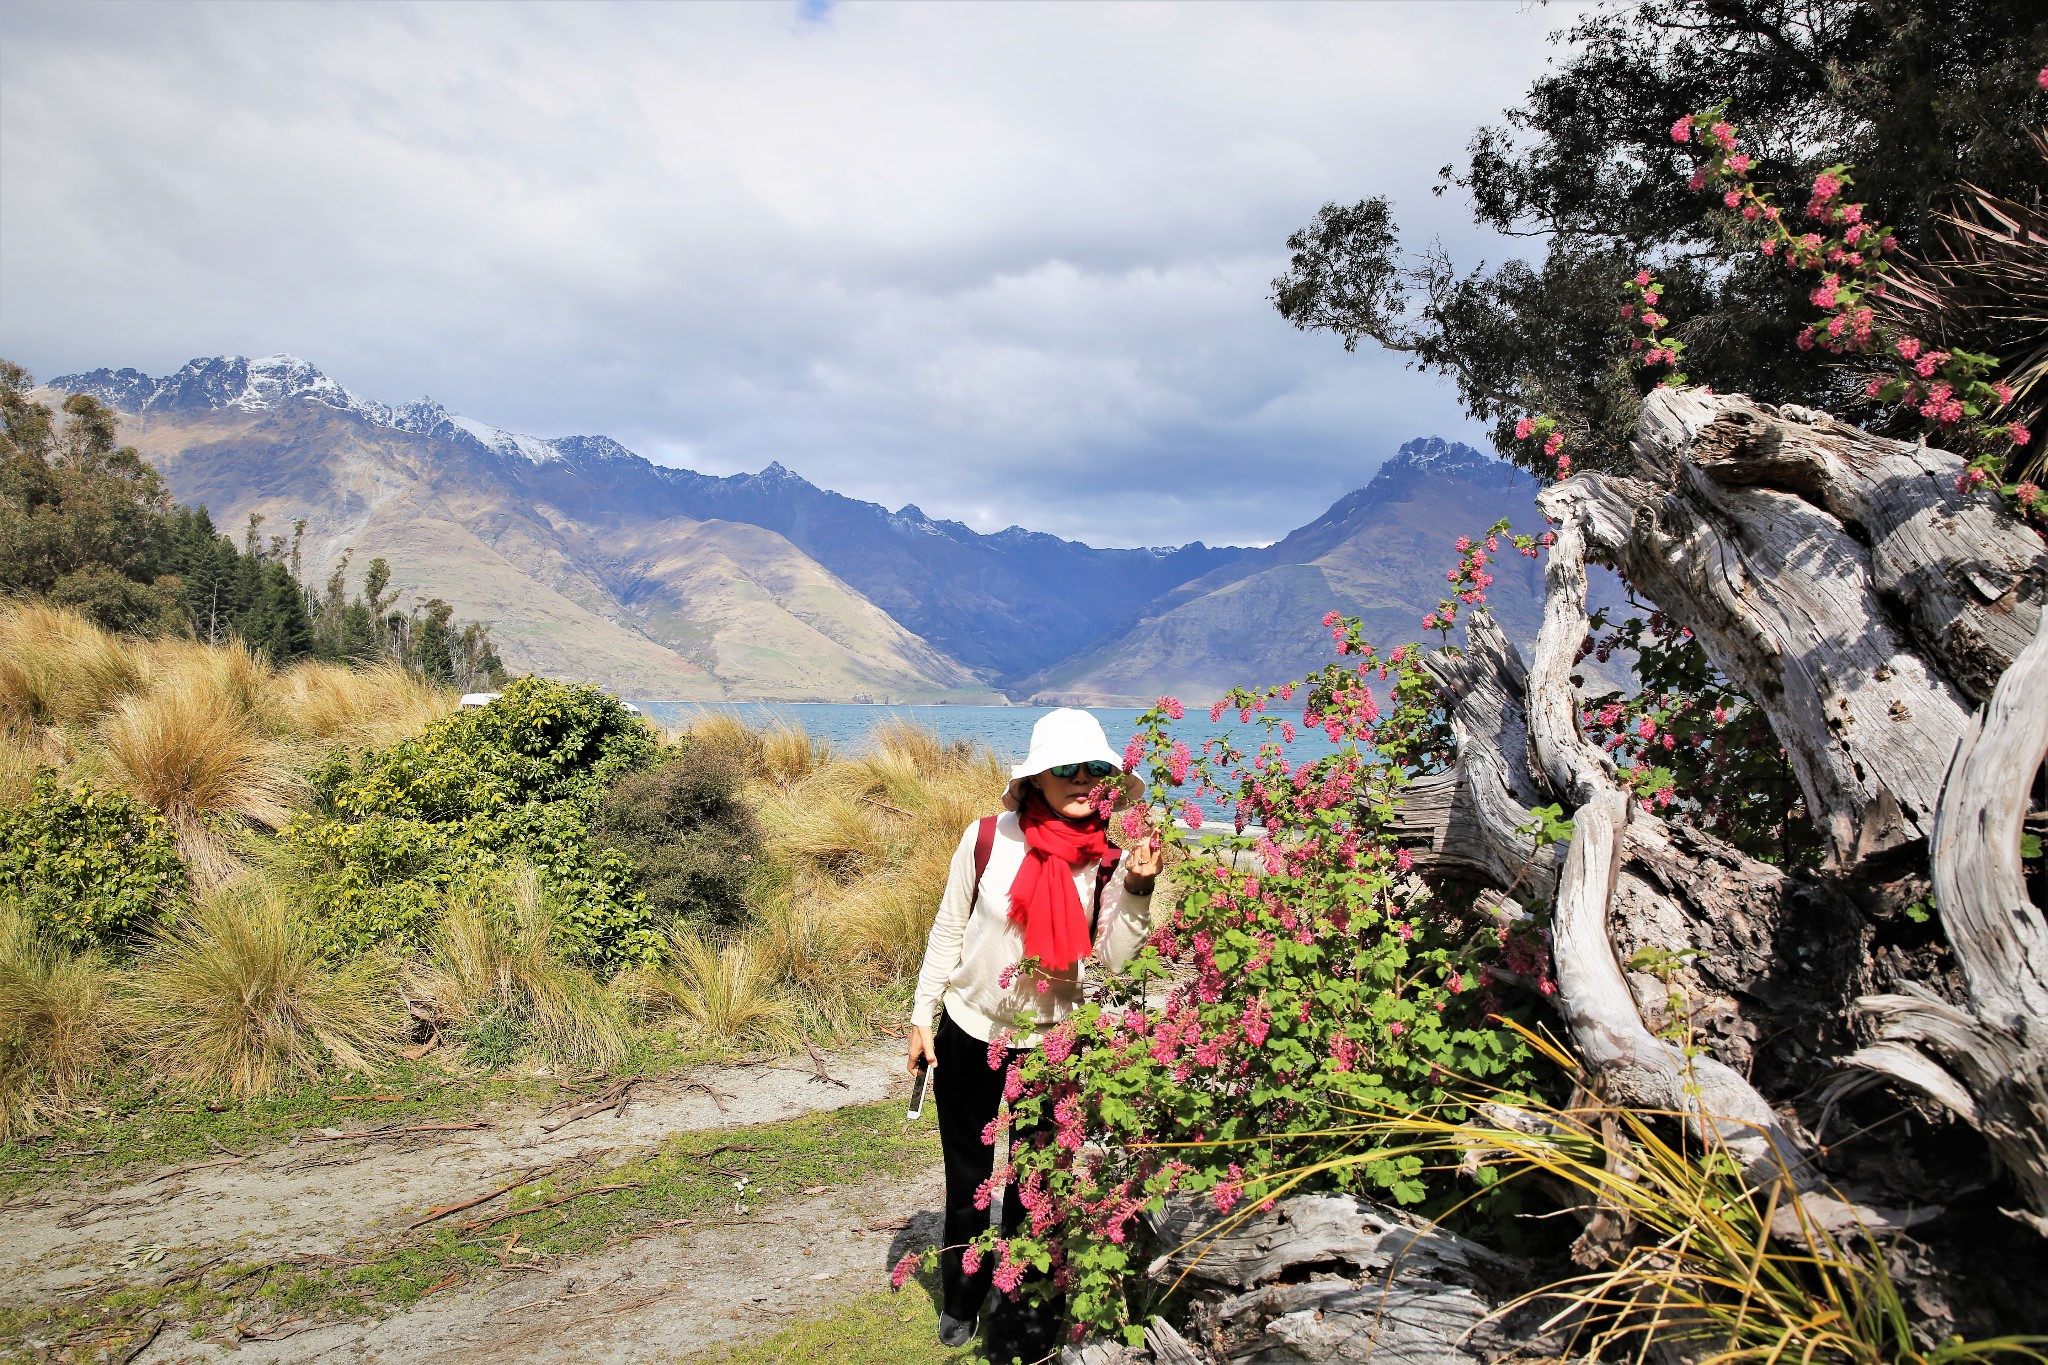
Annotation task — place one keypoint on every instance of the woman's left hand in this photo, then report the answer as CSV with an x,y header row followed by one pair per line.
x,y
1142,862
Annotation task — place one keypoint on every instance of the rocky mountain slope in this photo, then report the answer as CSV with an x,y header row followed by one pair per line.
x,y
664,583
1379,553
655,606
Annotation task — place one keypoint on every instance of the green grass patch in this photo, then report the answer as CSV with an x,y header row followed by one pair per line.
x,y
881,1327
132,1121
696,1178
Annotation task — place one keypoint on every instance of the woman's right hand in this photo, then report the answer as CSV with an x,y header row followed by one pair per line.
x,y
920,1048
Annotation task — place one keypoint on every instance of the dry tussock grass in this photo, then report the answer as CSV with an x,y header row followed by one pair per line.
x,y
789,754
235,998
725,734
55,1024
723,993
187,748
57,668
858,851
375,706
493,958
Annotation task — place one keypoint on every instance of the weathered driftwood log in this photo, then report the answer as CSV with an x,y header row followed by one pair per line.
x,y
1992,1067
1838,577
1773,957
1263,1246
1841,580
1334,1278
1634,1065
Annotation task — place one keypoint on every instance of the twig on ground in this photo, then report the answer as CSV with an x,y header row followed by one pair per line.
x,y
718,1097
290,1327
614,1098
392,1132
819,1062
192,1272
442,1211
139,1347
196,1166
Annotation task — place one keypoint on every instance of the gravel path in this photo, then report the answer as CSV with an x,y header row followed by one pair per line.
x,y
654,1299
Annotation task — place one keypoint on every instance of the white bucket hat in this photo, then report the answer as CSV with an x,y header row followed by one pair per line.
x,y
1067,735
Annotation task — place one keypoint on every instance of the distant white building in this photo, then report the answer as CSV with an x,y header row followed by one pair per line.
x,y
486,698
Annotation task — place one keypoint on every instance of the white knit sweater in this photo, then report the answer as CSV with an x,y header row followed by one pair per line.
x,y
967,954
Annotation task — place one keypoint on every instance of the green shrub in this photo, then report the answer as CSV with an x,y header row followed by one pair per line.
x,y
689,834
474,793
91,867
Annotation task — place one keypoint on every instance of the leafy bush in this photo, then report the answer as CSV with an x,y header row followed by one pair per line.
x,y
91,867
1305,976
689,834
516,780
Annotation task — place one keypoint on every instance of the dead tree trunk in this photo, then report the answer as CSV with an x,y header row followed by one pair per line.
x,y
1842,581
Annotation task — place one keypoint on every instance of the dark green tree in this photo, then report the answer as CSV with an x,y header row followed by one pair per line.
x,y
82,520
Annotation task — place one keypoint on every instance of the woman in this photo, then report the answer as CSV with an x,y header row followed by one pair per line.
x,y
1051,895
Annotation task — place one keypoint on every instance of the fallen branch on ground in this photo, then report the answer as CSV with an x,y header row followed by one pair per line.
x,y
823,1074
392,1131
614,1098
435,1214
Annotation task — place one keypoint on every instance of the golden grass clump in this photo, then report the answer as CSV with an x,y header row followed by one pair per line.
x,y
788,754
725,993
1713,1265
886,919
55,1024
375,706
235,998
22,752
243,681
858,852
58,668
187,748
725,734
493,961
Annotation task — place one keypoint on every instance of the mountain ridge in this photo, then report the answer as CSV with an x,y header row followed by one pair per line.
x,y
973,595
766,586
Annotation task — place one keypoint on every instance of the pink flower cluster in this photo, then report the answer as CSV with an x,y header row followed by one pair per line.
x,y
1952,391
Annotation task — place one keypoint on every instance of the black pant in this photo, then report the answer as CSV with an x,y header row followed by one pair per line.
x,y
969,1092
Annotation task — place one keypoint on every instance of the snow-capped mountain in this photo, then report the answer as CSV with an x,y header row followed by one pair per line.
x,y
209,384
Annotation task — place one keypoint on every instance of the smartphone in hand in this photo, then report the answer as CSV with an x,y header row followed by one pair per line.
x,y
918,1086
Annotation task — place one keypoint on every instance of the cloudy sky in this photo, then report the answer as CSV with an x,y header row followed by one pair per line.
x,y
1007,261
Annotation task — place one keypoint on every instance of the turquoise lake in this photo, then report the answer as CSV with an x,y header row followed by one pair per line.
x,y
1005,729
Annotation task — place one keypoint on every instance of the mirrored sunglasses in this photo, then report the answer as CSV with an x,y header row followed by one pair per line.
x,y
1095,770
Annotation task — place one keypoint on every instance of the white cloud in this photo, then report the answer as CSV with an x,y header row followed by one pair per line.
x,y
1006,261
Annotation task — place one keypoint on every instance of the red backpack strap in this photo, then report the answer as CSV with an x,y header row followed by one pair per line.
x,y
984,844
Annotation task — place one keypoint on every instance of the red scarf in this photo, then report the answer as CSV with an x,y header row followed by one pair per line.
x,y
1042,898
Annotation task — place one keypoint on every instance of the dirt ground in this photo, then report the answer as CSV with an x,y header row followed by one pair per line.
x,y
642,1301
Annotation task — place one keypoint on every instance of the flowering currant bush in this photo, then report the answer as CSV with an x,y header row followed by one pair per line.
x,y
1952,391
1302,972
1686,738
